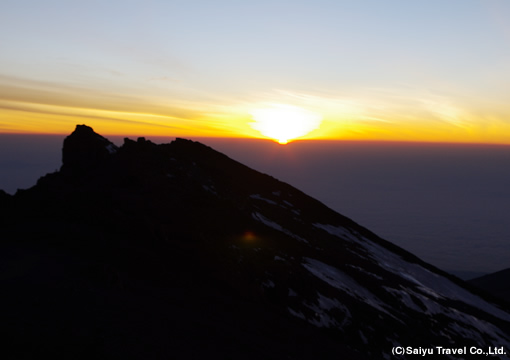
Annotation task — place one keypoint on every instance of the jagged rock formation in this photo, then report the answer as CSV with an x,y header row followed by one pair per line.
x,y
85,150
167,251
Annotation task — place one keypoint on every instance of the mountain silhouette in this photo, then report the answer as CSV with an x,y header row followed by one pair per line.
x,y
175,250
496,284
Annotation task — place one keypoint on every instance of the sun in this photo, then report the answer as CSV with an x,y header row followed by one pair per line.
x,y
284,123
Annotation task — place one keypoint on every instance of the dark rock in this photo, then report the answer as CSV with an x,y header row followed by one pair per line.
x,y
176,251
84,149
497,284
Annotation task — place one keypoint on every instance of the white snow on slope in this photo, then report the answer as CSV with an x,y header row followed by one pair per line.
x,y
112,149
430,284
210,189
259,217
344,282
259,197
338,231
283,204
430,289
361,270
321,317
288,204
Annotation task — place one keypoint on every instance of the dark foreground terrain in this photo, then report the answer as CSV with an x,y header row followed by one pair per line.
x,y
176,251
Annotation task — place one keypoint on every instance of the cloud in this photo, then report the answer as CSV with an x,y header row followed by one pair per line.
x,y
75,113
49,93
445,111
48,98
399,113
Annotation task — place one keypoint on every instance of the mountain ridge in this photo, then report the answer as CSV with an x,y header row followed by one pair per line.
x,y
495,284
181,223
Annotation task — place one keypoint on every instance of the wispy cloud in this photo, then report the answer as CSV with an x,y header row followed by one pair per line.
x,y
73,112
401,112
54,99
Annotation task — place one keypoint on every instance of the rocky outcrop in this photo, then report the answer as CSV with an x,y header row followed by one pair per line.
x,y
85,149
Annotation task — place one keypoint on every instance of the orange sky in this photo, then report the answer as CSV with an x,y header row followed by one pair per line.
x,y
50,109
407,71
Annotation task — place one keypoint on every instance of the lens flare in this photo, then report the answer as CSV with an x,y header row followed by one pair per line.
x,y
284,123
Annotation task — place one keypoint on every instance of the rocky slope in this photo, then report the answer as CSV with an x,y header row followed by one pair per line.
x,y
176,251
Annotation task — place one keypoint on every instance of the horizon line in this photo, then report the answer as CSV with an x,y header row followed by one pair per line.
x,y
269,140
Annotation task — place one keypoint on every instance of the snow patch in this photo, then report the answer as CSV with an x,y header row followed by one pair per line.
x,y
328,303
363,338
288,203
210,189
322,318
268,283
112,149
471,327
405,297
340,280
427,282
259,197
296,314
296,212
259,217
366,272
338,231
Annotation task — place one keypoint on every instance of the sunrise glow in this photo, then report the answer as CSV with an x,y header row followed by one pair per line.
x,y
285,123
281,79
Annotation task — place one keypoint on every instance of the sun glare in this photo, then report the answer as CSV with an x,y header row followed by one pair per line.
x,y
284,123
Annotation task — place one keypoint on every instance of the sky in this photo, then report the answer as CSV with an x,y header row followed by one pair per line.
x,y
354,70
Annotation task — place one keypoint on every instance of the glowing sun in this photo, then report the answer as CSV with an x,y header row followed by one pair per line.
x,y
284,122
